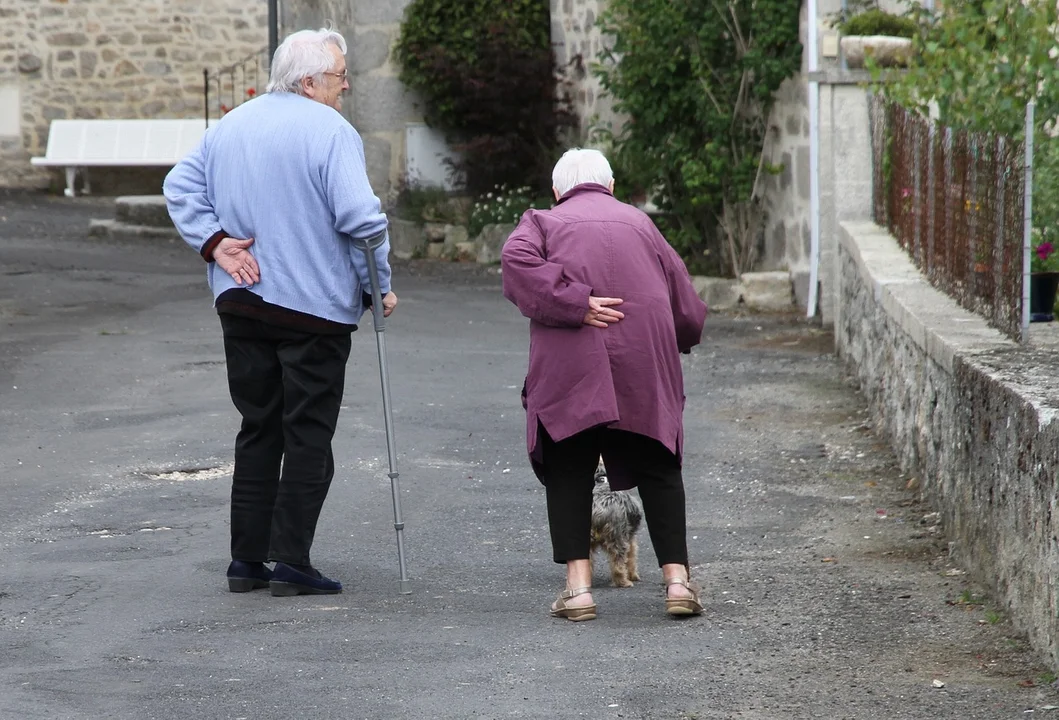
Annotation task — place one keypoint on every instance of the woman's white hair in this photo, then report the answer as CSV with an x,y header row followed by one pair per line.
x,y
578,166
303,54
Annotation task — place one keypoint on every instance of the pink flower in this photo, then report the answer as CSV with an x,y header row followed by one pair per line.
x,y
906,192
1044,250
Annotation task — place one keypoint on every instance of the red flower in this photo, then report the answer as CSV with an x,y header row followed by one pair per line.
x,y
251,92
225,109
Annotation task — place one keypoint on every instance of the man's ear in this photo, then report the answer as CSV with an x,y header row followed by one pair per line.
x,y
308,87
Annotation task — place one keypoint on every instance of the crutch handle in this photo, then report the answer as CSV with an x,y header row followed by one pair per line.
x,y
368,246
371,243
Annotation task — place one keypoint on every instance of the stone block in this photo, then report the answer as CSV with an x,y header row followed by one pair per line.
x,y
465,251
377,156
148,210
455,235
768,290
369,51
718,293
435,250
386,103
800,281
379,12
490,242
406,239
115,230
434,232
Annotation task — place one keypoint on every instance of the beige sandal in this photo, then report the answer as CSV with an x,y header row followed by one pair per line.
x,y
682,606
581,612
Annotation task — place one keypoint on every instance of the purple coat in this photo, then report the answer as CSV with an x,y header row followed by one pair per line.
x,y
628,375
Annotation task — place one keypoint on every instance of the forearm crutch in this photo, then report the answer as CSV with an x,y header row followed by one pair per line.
x,y
368,247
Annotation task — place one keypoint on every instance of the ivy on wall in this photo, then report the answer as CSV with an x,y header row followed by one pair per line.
x,y
487,75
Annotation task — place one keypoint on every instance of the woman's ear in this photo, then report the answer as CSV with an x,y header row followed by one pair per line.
x,y
555,192
611,186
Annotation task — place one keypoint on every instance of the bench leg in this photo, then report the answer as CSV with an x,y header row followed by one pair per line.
x,y
71,176
86,188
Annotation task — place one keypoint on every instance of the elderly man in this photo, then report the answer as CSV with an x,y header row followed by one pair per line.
x,y
603,380
272,199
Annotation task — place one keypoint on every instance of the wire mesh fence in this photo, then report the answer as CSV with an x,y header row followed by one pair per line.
x,y
233,85
953,199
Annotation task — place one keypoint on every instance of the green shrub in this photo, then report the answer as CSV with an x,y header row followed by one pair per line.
x,y
487,74
697,82
878,22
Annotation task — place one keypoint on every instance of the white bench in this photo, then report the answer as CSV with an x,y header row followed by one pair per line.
x,y
79,144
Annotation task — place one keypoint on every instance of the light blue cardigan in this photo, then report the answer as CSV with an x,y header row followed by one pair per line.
x,y
290,173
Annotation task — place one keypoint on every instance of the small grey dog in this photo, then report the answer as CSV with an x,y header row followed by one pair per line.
x,y
616,516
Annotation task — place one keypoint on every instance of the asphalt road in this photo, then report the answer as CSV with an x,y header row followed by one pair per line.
x,y
828,589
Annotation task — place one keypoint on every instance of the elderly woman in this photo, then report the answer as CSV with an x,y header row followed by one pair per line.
x,y
611,307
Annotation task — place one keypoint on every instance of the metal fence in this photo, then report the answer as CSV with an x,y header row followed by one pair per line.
x,y
233,85
955,201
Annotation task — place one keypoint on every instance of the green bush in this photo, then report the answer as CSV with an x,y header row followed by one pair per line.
x,y
697,82
487,74
878,22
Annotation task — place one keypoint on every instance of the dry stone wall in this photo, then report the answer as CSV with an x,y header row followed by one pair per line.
x,y
109,59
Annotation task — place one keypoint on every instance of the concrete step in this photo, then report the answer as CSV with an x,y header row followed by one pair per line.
x,y
116,230
146,210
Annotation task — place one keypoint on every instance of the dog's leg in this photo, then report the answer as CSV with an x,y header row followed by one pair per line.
x,y
619,573
631,561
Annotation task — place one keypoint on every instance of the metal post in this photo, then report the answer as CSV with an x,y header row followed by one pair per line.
x,y
814,163
1027,223
273,30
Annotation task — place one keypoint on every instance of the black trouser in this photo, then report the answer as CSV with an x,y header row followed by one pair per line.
x,y
288,386
569,472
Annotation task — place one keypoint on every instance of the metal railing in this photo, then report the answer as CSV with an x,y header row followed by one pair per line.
x,y
954,200
233,85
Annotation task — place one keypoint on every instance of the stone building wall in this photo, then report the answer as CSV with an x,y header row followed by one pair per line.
x,y
578,44
379,106
109,59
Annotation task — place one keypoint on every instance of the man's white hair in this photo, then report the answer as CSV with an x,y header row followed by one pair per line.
x,y
578,166
303,54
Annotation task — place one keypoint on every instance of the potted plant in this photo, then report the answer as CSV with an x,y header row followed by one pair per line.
x,y
1044,278
869,31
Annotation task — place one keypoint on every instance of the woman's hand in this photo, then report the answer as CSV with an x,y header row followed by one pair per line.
x,y
601,312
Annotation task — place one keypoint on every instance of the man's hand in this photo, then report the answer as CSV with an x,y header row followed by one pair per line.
x,y
232,256
389,302
601,312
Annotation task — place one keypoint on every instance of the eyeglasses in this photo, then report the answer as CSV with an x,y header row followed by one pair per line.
x,y
341,76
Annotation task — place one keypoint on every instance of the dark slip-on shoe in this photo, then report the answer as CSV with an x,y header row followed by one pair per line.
x,y
247,576
287,581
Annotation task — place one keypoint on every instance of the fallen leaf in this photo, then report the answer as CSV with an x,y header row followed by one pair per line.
x,y
828,559
938,684
1027,684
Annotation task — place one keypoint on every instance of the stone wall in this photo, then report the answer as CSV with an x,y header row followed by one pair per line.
x,y
109,59
970,414
578,44
379,106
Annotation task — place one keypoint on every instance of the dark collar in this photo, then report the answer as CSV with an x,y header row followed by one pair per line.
x,y
584,189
